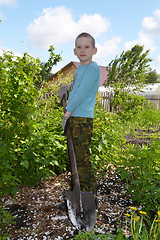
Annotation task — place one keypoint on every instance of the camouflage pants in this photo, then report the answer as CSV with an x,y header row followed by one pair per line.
x,y
81,130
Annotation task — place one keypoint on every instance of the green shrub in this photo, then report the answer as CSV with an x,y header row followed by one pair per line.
x,y
6,219
107,141
17,95
141,171
148,118
128,105
32,144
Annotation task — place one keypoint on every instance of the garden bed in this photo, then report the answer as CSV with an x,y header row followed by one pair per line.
x,y
38,215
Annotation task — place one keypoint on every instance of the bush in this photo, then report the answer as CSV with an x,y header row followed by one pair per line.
x,y
143,174
32,144
107,141
128,105
17,95
141,165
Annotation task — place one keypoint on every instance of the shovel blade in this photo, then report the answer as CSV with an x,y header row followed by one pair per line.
x,y
82,213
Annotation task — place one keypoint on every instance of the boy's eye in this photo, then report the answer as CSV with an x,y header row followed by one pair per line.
x,y
79,47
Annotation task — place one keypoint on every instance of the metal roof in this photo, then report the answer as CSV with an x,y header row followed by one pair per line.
x,y
151,89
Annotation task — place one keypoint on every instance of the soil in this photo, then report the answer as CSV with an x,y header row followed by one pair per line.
x,y
38,216
142,137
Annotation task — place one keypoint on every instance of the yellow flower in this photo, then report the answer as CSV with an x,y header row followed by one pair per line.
x,y
127,214
134,208
136,218
158,220
143,213
158,213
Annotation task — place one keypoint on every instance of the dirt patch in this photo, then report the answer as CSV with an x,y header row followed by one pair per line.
x,y
38,215
142,137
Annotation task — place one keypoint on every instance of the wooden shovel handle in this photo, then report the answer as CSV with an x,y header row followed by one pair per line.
x,y
75,176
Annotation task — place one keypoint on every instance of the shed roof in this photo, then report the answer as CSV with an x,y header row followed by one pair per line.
x,y
151,89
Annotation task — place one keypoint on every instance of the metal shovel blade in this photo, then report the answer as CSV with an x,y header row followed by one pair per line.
x,y
82,213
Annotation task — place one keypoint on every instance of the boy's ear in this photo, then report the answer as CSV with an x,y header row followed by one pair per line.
x,y
95,50
75,53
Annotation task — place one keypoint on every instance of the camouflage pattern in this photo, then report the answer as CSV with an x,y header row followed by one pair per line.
x,y
81,130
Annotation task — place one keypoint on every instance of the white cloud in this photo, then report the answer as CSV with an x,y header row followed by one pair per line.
x,y
130,44
149,32
143,40
95,24
107,48
151,25
8,2
147,41
56,25
4,49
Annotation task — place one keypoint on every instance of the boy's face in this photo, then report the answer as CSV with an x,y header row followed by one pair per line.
x,y
84,50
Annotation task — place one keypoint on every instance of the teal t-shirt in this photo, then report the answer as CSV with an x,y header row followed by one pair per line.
x,y
81,101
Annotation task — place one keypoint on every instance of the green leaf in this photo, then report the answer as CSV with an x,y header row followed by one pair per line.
x,y
124,174
25,164
119,234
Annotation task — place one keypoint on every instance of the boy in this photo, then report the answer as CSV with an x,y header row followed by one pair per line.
x,y
80,108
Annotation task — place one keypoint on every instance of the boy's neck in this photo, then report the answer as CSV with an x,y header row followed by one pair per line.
x,y
86,63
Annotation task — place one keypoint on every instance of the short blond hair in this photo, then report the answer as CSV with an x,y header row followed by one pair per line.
x,y
84,34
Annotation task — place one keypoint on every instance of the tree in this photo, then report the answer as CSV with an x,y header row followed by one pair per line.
x,y
127,74
152,77
129,69
46,68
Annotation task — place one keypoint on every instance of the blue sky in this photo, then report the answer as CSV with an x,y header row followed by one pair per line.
x,y
33,25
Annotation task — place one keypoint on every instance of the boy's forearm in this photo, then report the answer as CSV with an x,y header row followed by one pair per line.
x,y
67,114
69,86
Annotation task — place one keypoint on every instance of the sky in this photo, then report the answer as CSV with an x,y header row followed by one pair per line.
x,y
32,26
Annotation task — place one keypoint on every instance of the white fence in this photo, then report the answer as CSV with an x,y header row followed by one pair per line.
x,y
154,99
107,96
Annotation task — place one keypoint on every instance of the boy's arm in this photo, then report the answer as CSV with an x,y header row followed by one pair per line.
x,y
69,86
67,113
66,116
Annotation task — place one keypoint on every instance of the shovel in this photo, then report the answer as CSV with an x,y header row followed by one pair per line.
x,y
81,205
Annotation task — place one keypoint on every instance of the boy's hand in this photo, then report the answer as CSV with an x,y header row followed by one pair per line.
x,y
62,91
64,122
66,116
